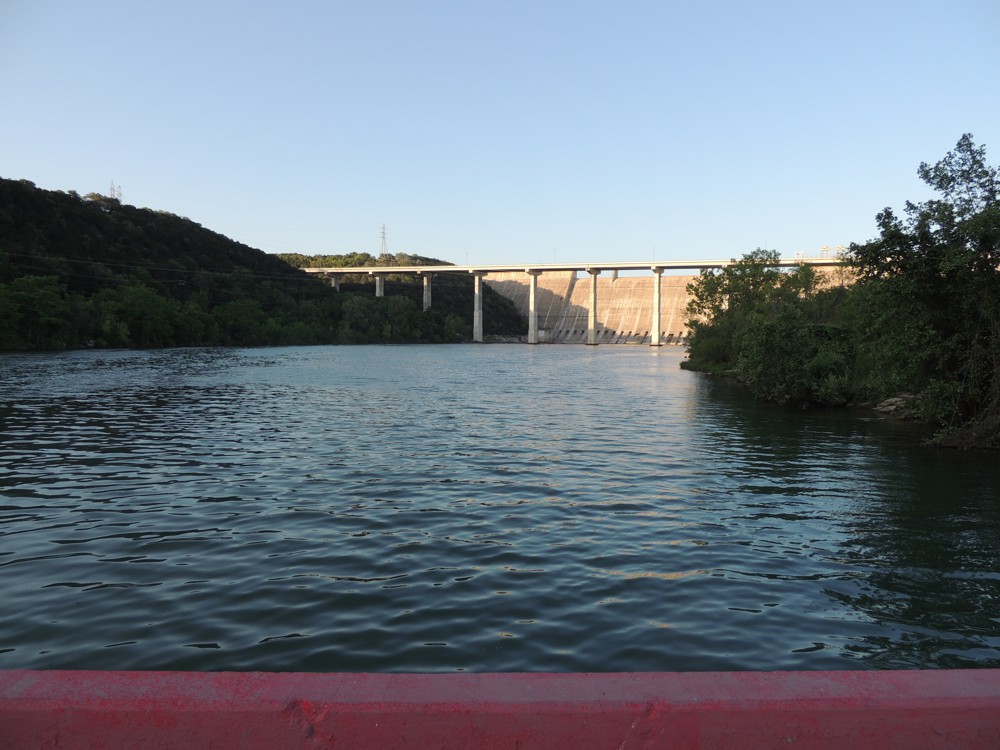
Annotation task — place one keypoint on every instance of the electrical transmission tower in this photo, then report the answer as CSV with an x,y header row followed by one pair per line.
x,y
384,247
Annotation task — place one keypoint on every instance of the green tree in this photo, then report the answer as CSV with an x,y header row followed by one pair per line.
x,y
787,355
922,318
772,329
35,313
241,321
722,301
932,283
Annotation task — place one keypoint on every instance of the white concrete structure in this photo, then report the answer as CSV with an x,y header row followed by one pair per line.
x,y
569,271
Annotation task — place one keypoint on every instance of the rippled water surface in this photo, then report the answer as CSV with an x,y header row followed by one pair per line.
x,y
479,508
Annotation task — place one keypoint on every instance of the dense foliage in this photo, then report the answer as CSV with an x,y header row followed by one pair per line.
x,y
91,271
778,331
920,320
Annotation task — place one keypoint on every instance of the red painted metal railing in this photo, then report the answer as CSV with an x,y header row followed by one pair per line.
x,y
855,710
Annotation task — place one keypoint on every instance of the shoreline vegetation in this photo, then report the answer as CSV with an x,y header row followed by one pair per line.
x,y
89,271
912,329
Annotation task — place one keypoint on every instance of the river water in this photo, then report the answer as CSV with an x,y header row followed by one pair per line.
x,y
476,508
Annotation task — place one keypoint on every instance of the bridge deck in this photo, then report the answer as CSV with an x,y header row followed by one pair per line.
x,y
648,265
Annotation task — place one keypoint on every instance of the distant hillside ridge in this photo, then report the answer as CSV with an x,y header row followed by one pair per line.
x,y
350,260
90,271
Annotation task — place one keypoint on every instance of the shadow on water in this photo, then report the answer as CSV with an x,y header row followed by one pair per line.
x,y
929,538
920,550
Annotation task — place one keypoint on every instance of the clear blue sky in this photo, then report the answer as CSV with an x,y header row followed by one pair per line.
x,y
501,131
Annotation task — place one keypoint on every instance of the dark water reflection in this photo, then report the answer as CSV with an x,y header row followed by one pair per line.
x,y
472,508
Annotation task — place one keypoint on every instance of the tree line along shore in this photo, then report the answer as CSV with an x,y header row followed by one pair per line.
x,y
918,322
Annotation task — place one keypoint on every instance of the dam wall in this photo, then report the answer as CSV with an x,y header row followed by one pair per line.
x,y
624,306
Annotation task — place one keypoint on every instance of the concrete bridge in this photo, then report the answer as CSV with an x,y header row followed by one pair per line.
x,y
617,309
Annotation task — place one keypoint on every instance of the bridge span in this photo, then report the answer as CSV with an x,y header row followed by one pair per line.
x,y
531,273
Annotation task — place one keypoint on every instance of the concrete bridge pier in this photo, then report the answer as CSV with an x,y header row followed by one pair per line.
x,y
379,285
654,330
334,281
477,307
532,305
592,313
427,290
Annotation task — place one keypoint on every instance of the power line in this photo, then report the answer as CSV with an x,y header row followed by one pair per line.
x,y
293,273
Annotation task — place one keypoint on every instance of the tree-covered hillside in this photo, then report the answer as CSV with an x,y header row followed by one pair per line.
x,y
351,260
90,271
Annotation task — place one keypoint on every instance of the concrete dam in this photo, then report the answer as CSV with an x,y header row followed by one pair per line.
x,y
624,306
